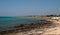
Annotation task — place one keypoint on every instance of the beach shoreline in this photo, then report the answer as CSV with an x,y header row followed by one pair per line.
x,y
45,24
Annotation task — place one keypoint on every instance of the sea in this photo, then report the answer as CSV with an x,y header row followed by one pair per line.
x,y
7,23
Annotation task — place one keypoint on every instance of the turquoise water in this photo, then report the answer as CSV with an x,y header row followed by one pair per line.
x,y
7,22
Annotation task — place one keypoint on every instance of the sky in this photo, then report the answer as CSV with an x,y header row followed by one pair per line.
x,y
29,7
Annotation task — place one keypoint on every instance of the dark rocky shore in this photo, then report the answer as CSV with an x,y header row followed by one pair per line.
x,y
39,24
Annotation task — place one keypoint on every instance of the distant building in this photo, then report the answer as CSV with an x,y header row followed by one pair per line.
x,y
55,17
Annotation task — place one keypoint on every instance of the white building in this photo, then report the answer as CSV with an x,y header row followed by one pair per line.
x,y
55,18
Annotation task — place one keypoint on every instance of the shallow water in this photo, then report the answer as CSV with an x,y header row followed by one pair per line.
x,y
7,22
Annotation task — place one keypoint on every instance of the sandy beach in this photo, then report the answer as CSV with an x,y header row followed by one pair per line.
x,y
55,30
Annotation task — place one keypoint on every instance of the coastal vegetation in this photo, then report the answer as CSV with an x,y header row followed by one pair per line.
x,y
52,15
44,15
